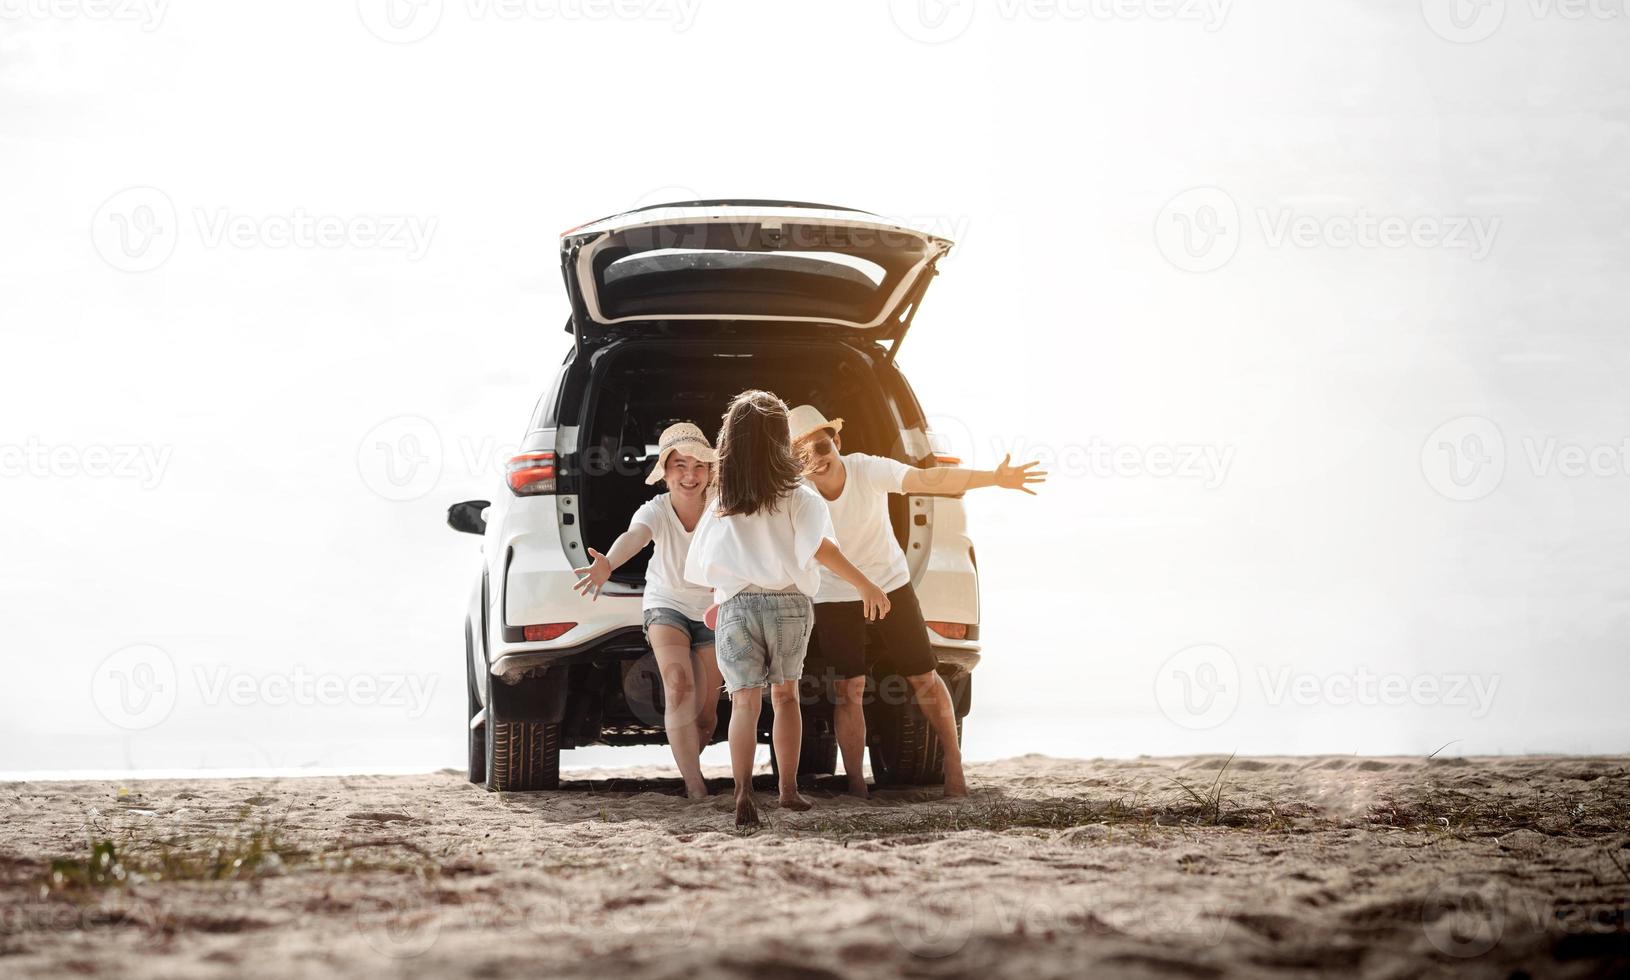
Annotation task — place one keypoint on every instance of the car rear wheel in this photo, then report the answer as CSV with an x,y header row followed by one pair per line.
x,y
522,754
817,756
903,747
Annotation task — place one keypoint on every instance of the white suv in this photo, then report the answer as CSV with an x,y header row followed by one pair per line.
x,y
675,309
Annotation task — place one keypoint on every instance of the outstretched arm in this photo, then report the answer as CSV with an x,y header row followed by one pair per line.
x,y
955,479
872,599
592,577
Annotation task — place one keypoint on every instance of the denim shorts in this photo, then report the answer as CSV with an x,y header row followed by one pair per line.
x,y
762,638
700,635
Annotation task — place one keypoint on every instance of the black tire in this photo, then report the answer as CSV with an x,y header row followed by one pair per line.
x,y
522,753
475,735
817,756
903,747
522,756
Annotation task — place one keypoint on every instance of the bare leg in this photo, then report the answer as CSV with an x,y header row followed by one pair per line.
x,y
672,649
787,735
935,700
744,707
849,718
708,682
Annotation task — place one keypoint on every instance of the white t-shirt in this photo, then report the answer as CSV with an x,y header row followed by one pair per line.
x,y
665,585
860,515
772,549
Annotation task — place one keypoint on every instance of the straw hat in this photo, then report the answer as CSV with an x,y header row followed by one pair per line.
x,y
681,437
806,419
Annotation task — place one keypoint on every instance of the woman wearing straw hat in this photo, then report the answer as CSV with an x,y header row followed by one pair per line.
x,y
673,608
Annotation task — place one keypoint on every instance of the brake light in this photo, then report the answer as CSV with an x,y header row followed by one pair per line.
x,y
951,631
545,631
530,474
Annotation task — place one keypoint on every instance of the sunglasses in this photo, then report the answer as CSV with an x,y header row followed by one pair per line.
x,y
819,447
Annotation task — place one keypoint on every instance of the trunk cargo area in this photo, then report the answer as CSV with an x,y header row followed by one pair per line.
x,y
645,386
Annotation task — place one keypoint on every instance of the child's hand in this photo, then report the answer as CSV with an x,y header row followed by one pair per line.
x,y
1016,477
592,579
874,602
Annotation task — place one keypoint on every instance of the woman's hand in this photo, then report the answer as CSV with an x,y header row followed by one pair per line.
x,y
874,602
1011,477
591,579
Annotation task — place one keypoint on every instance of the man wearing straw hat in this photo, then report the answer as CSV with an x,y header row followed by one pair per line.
x,y
856,488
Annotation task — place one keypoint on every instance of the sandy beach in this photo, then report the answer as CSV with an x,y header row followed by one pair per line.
x,y
1153,867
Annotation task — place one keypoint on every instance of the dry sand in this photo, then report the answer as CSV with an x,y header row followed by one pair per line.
x,y
1370,867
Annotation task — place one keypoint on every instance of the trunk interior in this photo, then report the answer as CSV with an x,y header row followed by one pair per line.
x,y
643,387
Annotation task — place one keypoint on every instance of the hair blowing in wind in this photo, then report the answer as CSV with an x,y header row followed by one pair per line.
x,y
756,465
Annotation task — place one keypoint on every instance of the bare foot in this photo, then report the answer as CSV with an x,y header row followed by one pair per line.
x,y
954,788
697,792
859,789
746,811
794,801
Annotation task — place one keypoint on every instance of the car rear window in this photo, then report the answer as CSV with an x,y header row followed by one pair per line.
x,y
792,270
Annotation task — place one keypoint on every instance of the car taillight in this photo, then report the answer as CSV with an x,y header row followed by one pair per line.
x,y
531,473
545,631
951,631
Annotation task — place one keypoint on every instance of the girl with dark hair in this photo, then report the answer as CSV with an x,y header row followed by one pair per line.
x,y
760,548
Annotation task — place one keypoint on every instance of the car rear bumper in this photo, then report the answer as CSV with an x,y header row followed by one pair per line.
x,y
956,657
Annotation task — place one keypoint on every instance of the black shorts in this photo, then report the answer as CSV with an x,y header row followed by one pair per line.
x,y
845,645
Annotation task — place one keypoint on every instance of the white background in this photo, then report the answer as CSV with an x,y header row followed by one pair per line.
x,y
1054,142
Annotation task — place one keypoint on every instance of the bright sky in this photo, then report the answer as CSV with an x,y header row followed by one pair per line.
x,y
1273,290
